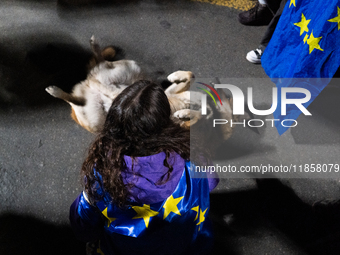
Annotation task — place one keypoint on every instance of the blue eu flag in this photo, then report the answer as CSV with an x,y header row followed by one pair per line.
x,y
177,225
304,51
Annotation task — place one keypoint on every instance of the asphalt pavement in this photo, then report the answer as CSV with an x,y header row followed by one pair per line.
x,y
42,148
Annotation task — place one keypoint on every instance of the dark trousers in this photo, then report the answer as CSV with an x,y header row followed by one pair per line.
x,y
276,6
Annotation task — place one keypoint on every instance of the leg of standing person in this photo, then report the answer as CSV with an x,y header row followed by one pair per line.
x,y
261,14
273,5
254,56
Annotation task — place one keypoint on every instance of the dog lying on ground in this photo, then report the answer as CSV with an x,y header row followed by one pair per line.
x,y
91,99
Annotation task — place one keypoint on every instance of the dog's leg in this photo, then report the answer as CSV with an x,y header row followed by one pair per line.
x,y
107,54
96,50
59,93
181,82
192,117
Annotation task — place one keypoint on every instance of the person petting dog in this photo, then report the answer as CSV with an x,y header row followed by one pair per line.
x,y
140,193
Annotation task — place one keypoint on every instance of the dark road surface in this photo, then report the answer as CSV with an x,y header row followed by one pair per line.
x,y
42,148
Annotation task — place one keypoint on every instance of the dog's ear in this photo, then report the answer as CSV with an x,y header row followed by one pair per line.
x,y
109,53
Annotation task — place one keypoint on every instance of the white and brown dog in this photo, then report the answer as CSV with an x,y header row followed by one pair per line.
x,y
91,99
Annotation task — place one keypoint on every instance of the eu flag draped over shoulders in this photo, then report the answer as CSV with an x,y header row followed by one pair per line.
x,y
304,51
177,224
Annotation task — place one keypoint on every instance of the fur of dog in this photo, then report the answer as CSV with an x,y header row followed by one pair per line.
x,y
91,99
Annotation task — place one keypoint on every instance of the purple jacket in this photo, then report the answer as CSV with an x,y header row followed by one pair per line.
x,y
150,169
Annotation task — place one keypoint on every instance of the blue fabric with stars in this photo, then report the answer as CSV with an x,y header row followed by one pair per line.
x,y
177,225
303,52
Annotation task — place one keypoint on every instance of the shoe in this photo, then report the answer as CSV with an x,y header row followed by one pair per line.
x,y
254,56
259,15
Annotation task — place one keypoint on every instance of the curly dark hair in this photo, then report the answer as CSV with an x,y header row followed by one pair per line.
x,y
138,124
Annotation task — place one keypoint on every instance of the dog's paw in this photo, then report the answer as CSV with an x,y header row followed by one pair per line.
x,y
182,114
54,91
180,76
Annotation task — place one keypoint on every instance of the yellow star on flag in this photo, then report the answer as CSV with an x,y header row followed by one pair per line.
x,y
292,2
305,39
144,212
336,19
303,24
196,208
109,219
202,217
313,43
100,251
170,205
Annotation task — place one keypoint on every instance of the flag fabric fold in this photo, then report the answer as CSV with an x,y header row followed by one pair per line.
x,y
304,51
